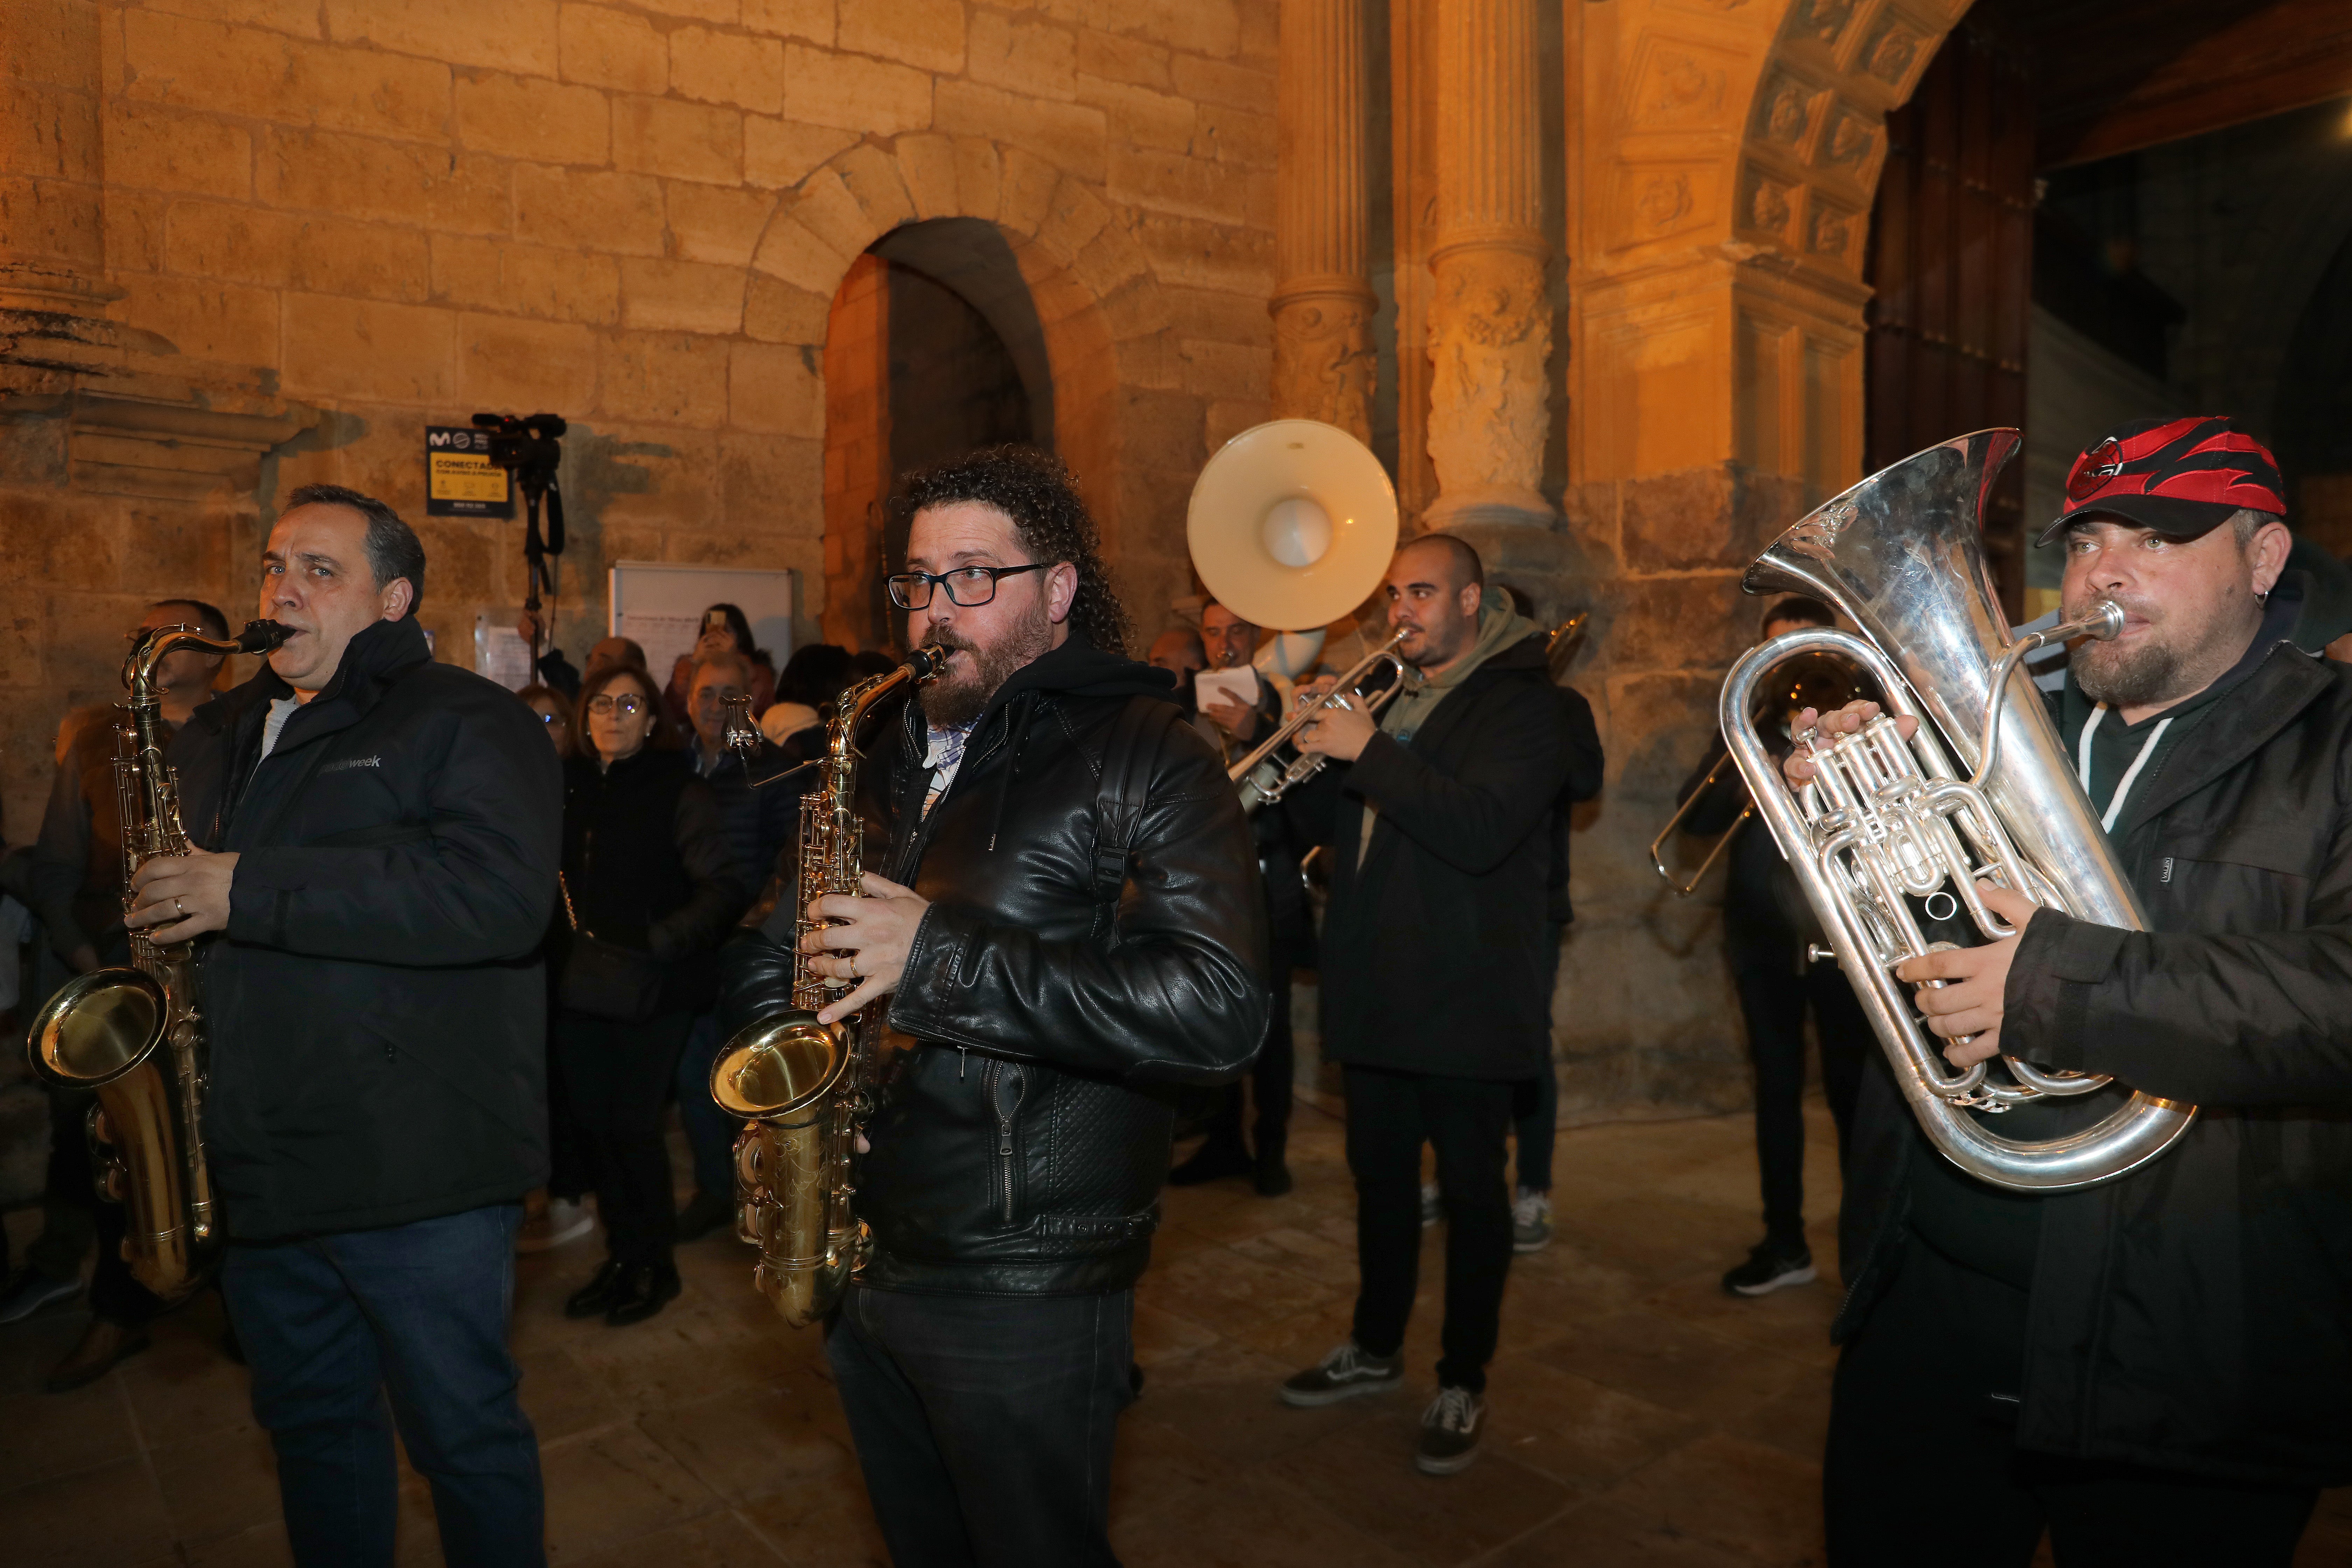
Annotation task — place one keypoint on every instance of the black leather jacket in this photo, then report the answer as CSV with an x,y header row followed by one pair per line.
x,y
1021,1141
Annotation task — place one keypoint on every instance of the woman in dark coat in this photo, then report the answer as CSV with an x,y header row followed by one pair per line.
x,y
651,887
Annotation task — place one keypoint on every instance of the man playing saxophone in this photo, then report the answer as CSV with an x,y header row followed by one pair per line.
x,y
2157,1369
1070,918
379,839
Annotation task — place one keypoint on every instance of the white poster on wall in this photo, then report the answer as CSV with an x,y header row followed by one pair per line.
x,y
659,608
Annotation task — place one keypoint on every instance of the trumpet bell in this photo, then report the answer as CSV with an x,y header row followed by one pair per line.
x,y
97,1027
1292,523
777,1066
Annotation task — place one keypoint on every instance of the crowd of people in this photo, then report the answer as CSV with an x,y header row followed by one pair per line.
x,y
461,952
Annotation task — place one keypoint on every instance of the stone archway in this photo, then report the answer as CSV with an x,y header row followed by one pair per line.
x,y
1731,153
1098,309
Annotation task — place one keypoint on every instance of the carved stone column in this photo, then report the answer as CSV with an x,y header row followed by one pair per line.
x,y
1490,326
52,208
1322,305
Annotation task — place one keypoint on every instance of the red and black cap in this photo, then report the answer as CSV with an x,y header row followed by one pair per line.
x,y
2179,476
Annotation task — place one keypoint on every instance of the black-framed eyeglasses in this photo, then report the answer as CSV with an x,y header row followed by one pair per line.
x,y
968,586
628,705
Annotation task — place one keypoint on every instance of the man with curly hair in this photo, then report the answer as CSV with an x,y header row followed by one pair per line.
x,y
1071,921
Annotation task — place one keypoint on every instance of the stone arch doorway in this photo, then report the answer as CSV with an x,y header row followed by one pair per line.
x,y
932,347
1058,276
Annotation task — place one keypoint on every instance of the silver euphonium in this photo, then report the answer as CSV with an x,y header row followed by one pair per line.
x,y
1983,790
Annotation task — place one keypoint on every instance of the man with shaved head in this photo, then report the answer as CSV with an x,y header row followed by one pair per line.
x,y
1436,990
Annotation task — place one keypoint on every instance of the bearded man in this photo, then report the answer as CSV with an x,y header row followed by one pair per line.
x,y
2155,1370
1071,921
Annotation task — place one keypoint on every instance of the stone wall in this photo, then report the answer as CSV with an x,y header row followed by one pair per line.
x,y
361,216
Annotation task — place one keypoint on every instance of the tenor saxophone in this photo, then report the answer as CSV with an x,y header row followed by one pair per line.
x,y
801,1088
133,1035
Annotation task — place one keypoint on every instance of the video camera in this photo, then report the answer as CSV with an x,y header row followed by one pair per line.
x,y
531,449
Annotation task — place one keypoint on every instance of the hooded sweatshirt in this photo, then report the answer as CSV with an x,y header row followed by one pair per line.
x,y
1498,627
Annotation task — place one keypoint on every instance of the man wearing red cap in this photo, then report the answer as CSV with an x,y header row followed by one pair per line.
x,y
2157,1370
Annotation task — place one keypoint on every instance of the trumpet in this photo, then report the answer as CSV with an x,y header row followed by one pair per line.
x,y
1263,778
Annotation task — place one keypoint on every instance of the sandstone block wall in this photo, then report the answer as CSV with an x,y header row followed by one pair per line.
x,y
391,213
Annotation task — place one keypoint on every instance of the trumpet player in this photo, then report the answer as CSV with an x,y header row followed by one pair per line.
x,y
1070,919
378,839
1436,987
2155,1370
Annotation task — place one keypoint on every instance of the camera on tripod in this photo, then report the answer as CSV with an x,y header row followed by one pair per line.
x,y
531,448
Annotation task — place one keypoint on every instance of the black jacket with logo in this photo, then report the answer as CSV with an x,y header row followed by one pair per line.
x,y
375,1008
1022,1137
2197,1314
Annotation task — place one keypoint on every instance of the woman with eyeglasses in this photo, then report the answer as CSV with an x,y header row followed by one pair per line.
x,y
650,887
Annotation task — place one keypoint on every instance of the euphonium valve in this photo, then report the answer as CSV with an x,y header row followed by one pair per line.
x,y
1895,829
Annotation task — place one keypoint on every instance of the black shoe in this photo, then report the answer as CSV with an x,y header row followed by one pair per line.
x,y
595,1298
103,1347
1771,1265
704,1213
645,1288
1272,1177
1450,1431
1212,1162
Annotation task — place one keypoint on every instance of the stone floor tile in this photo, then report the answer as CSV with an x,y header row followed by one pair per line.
x,y
688,1352
1364,1473
1328,1263
1238,1415
1793,1322
1180,1507
217,1486
1688,1370
750,1442
823,1526
1220,1289
615,1485
44,1435
1162,1336
263,1546
1797,1422
108,1516
560,1397
717,1541
1602,1535
1739,1496
1580,1434
185,1387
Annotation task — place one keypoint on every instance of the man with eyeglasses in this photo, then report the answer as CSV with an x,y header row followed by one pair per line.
x,y
1068,923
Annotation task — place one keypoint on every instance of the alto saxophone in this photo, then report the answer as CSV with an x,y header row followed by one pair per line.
x,y
801,1088
133,1035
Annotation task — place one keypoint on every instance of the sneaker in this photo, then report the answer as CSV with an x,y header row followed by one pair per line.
x,y
563,1221
1769,1266
1345,1374
1272,1177
1530,1220
1450,1430
31,1291
1433,1207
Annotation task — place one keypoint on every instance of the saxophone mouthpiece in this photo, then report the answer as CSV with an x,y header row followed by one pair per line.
x,y
262,637
929,660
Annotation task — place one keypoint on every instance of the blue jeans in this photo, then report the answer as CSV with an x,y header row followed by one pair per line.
x,y
709,1131
983,1424
331,1325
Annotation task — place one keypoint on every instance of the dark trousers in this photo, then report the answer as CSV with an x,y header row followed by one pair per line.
x,y
983,1424
709,1131
615,1079
1390,1116
1269,1083
1538,1123
1923,1469
1773,997
335,1328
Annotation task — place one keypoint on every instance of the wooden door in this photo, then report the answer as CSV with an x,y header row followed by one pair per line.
x,y
1951,262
